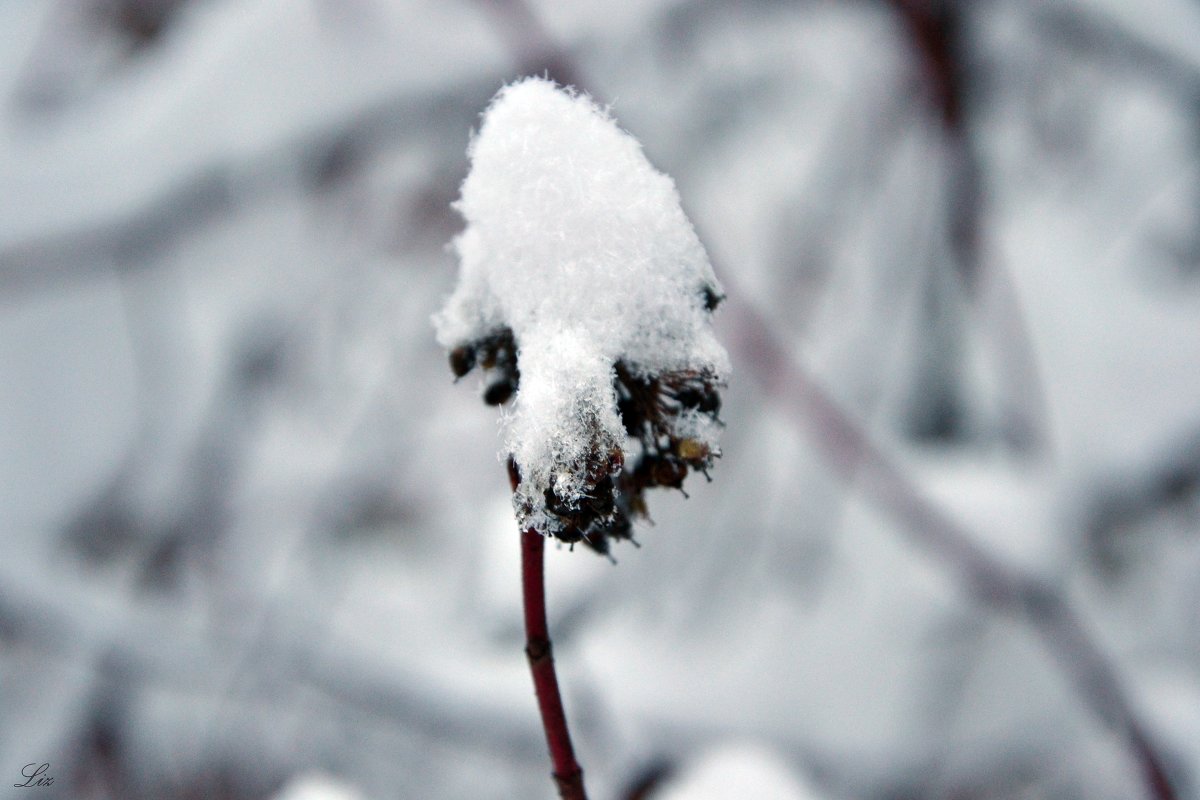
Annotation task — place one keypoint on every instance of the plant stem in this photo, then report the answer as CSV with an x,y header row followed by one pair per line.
x,y
567,772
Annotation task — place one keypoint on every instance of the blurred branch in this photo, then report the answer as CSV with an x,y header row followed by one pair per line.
x,y
1110,45
937,31
649,779
193,524
937,37
1095,34
1122,506
130,646
75,34
995,585
125,242
530,43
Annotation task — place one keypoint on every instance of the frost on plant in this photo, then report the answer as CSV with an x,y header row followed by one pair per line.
x,y
586,296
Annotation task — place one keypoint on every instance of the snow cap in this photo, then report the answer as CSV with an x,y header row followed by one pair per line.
x,y
580,248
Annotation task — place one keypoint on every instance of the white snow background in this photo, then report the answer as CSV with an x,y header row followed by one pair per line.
x,y
252,532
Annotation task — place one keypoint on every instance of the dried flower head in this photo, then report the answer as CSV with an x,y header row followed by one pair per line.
x,y
585,296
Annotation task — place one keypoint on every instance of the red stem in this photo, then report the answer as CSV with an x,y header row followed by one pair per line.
x,y
567,772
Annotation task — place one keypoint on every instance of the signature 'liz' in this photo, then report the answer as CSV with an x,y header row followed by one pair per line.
x,y
35,775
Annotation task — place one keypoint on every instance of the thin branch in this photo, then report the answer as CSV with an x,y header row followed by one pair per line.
x,y
128,240
65,619
938,37
568,775
567,772
850,451
1097,35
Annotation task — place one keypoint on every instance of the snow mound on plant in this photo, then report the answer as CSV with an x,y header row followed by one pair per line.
x,y
581,248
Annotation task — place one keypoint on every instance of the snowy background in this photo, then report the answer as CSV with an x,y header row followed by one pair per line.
x,y
257,544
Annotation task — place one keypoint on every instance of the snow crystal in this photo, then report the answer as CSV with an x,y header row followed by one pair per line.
x,y
580,248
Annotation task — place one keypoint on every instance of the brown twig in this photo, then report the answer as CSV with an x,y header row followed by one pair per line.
x,y
568,775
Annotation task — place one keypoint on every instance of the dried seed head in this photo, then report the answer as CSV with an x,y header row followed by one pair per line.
x,y
586,298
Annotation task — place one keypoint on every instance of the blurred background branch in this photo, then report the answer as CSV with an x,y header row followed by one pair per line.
x,y
251,530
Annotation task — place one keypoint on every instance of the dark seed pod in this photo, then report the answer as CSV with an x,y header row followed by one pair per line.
x,y
571,534
690,397
620,528
669,472
637,505
462,360
631,416
556,505
600,503
613,491
597,541
711,298
499,392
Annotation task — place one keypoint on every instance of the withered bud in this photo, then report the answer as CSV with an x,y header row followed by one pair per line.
x,y
462,360
668,472
691,450
499,392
